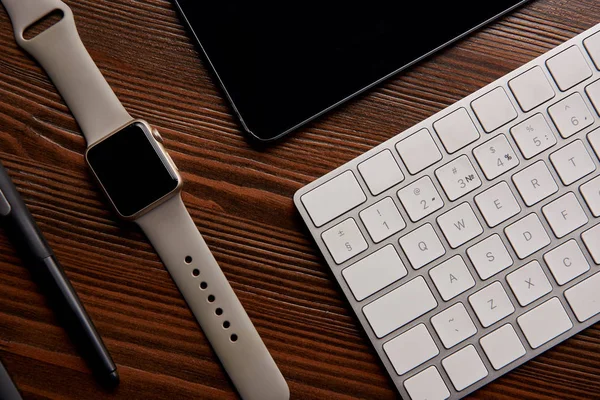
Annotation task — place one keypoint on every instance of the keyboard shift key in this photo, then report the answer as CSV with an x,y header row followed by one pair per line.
x,y
531,88
380,172
344,241
410,349
544,323
568,68
502,346
418,151
464,368
374,272
591,238
333,198
399,307
564,215
591,194
571,115
427,385
584,298
572,162
533,136
494,109
456,130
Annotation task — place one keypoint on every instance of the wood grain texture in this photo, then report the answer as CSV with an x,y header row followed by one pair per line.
x,y
241,200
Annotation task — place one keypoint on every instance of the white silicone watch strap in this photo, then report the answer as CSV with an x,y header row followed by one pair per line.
x,y
68,64
169,226
207,292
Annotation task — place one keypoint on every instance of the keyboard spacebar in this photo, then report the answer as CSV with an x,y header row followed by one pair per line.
x,y
399,307
584,298
333,198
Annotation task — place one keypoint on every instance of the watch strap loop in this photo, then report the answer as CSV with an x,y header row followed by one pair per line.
x,y
61,53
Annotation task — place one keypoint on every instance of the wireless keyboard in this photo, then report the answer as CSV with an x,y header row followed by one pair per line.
x,y
470,243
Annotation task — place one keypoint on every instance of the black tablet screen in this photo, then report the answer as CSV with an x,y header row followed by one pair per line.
x,y
283,63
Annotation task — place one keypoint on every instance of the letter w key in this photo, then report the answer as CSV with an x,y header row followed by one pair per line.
x,y
460,225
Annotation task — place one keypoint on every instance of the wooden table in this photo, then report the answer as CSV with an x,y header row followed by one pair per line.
x,y
241,200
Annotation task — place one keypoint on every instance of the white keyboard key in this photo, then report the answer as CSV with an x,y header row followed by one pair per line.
x,y
418,151
565,215
591,238
566,262
427,385
570,115
502,346
410,349
382,219
453,325
584,298
593,92
400,306
456,130
544,323
420,199
591,194
497,204
568,68
464,368
460,225
533,136
490,257
529,283
494,109
594,139
333,198
381,172
592,45
531,88
527,236
491,304
535,183
572,162
344,241
495,157
374,272
458,178
422,246
452,277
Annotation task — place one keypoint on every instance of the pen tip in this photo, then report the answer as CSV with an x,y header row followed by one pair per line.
x,y
113,379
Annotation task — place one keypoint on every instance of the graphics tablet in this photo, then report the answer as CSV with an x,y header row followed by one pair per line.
x,y
283,64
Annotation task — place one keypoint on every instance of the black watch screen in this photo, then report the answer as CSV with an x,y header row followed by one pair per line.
x,y
132,169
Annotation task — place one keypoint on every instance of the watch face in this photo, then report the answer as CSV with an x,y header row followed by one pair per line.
x,y
132,169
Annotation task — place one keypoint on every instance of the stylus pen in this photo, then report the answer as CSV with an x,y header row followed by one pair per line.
x,y
8,390
35,251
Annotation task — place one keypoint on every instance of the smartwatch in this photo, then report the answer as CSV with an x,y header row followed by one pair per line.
x,y
143,185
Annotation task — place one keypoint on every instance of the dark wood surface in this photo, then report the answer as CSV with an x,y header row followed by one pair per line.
x,y
241,200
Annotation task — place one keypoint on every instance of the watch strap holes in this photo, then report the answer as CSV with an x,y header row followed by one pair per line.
x,y
196,272
43,24
233,337
188,259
